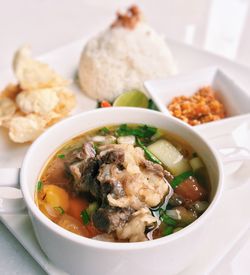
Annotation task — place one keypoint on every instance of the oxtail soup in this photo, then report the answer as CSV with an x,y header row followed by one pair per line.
x,y
125,183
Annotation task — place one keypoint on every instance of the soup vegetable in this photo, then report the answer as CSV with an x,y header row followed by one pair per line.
x,y
125,183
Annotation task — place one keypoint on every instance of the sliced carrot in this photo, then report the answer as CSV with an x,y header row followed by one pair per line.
x,y
76,206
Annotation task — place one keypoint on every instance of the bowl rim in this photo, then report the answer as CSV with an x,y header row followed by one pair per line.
x,y
32,207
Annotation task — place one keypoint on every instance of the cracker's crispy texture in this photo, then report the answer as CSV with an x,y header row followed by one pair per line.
x,y
40,101
7,109
67,102
11,91
33,74
26,128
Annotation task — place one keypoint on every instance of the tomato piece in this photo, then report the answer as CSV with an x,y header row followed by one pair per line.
x,y
190,189
105,104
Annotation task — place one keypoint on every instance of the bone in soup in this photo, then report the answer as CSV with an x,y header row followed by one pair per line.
x,y
125,183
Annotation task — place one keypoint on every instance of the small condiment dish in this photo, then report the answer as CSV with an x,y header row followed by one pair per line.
x,y
234,99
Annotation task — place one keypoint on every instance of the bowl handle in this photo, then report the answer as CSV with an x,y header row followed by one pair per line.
x,y
11,199
240,175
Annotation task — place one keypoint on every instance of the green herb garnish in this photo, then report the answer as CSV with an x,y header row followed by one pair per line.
x,y
92,208
61,156
144,131
166,219
39,186
59,209
179,179
85,217
168,230
95,147
148,154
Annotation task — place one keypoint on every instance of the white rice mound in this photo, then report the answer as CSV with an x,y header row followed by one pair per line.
x,y
121,59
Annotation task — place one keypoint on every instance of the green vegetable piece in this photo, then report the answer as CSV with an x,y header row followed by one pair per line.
x,y
61,156
148,154
168,230
39,186
169,221
95,147
179,179
92,208
144,131
166,219
85,217
59,209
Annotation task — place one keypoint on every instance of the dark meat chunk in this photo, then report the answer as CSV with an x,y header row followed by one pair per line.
x,y
115,156
84,174
55,174
110,218
89,175
76,170
81,164
153,167
108,176
85,153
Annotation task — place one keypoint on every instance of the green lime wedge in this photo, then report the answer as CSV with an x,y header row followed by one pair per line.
x,y
132,98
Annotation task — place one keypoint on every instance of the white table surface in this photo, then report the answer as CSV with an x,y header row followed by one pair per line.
x,y
220,26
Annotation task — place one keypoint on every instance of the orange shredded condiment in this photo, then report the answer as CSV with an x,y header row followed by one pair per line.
x,y
199,108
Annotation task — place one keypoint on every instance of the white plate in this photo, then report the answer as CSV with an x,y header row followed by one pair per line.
x,y
163,91
65,61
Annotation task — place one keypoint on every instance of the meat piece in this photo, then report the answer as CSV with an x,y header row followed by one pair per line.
x,y
153,167
110,218
55,174
134,230
84,174
108,175
114,155
85,153
82,165
76,170
88,180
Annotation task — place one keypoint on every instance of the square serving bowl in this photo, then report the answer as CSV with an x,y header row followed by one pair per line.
x,y
235,100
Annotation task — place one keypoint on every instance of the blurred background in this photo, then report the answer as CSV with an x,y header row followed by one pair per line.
x,y
220,26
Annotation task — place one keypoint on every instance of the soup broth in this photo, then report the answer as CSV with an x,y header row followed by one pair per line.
x,y
125,183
